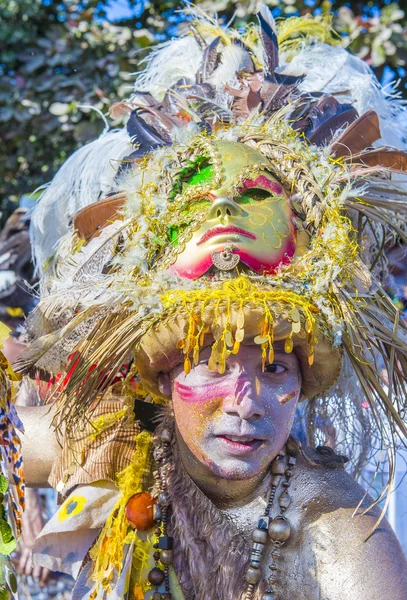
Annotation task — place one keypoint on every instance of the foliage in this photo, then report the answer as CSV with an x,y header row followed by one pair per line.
x,y
59,56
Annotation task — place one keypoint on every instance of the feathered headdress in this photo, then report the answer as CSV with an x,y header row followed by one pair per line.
x,y
324,129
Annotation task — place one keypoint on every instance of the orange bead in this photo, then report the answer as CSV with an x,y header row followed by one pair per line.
x,y
139,511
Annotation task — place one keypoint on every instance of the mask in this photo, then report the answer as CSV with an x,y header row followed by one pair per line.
x,y
249,219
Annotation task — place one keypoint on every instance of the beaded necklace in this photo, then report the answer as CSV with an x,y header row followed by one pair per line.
x,y
277,528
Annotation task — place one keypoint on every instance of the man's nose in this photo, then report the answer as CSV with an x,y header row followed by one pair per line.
x,y
225,207
246,403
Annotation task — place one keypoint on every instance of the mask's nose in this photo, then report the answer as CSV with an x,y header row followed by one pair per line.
x,y
224,207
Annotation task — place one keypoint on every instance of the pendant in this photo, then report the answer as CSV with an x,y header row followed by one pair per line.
x,y
225,260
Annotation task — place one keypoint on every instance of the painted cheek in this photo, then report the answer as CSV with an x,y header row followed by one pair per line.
x,y
201,394
284,395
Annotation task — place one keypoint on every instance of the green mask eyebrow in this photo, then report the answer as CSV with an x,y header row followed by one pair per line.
x,y
204,175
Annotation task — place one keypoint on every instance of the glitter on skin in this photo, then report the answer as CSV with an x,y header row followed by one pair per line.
x,y
242,402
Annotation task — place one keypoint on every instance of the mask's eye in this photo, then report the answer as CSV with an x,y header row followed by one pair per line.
x,y
275,369
253,195
202,176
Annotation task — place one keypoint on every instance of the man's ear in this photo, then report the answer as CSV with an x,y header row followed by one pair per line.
x,y
164,384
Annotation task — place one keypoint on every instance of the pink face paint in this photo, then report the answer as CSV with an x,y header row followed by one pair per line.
x,y
200,394
262,182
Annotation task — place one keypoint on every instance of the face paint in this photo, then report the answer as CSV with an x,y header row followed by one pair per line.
x,y
256,219
236,422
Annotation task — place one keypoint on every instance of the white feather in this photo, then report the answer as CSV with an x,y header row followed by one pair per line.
x,y
167,63
85,177
334,71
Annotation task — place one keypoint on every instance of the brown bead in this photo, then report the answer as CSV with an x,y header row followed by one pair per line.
x,y
157,531
166,557
252,575
284,500
278,467
157,596
279,530
275,480
156,576
156,556
260,536
139,511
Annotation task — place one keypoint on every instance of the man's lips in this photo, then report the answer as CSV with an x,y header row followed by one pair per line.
x,y
223,230
240,444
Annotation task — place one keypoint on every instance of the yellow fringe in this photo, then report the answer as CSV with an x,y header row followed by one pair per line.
x,y
107,553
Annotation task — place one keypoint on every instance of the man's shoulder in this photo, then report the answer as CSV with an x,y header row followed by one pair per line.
x,y
321,484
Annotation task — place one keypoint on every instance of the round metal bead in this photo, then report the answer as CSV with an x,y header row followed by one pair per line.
x,y
260,536
252,575
166,557
163,499
278,467
279,530
267,596
156,576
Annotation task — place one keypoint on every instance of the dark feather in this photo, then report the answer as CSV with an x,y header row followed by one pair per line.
x,y
359,135
269,42
324,119
210,61
146,132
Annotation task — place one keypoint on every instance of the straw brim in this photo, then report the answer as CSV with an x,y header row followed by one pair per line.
x,y
158,352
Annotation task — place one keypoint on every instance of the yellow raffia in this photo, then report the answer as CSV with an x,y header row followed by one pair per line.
x,y
220,310
108,552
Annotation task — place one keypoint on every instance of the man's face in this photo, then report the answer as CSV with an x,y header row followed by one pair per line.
x,y
236,423
254,220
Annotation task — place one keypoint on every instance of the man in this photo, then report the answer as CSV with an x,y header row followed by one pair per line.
x,y
223,273
228,429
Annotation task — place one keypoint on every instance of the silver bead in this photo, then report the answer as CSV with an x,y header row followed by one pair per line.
x,y
260,536
258,547
166,557
163,499
268,596
279,530
252,575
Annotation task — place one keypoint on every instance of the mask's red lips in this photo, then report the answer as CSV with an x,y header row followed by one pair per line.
x,y
223,230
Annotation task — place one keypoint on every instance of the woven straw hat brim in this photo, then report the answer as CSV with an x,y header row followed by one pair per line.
x,y
158,352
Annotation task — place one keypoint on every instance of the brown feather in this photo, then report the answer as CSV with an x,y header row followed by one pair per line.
x,y
389,158
90,221
358,136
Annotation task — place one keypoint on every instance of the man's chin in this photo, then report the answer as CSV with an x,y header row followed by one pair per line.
x,y
235,469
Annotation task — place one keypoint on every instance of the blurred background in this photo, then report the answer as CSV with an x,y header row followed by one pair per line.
x,y
62,65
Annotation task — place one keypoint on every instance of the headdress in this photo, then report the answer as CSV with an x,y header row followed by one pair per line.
x,y
279,115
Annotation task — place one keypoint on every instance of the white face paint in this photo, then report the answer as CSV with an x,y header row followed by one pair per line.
x,y
235,423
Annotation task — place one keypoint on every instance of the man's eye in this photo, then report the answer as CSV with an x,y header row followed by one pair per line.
x,y
253,195
275,369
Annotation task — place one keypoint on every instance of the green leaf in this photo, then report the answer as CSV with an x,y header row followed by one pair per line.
x,y
8,548
3,484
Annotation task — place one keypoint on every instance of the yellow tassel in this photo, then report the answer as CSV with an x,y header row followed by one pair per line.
x,y
107,553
